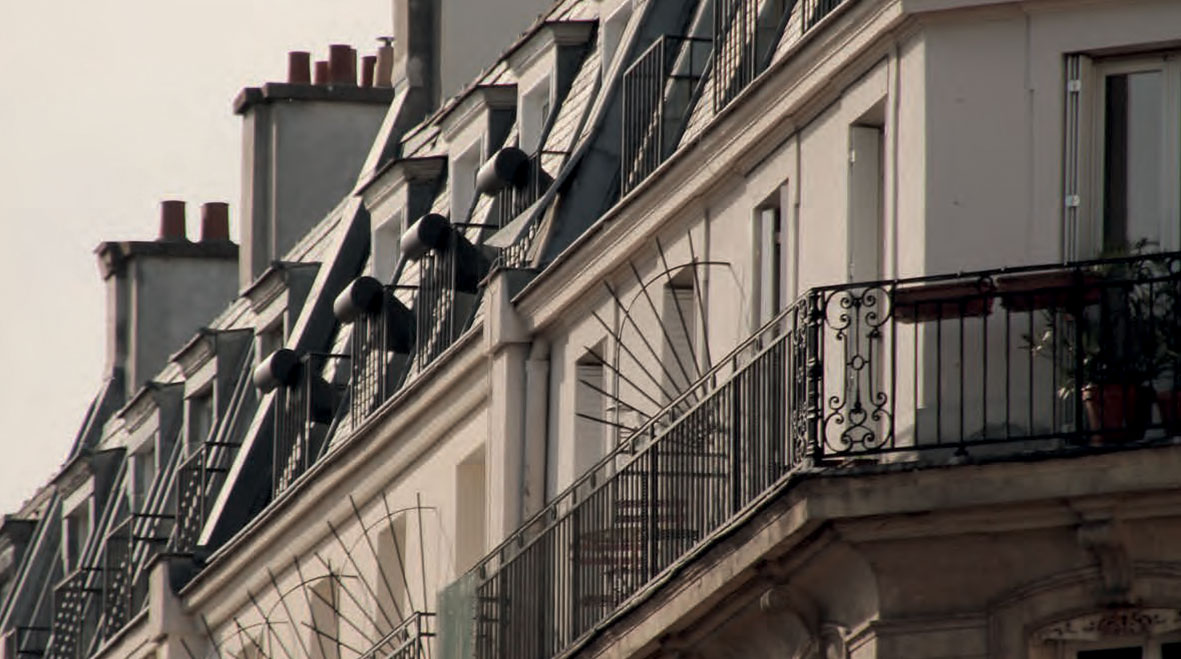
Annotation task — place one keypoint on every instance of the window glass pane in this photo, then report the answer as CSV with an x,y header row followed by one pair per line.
x,y
1113,653
1170,651
1134,121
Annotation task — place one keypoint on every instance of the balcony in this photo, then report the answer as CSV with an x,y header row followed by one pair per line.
x,y
659,89
1038,360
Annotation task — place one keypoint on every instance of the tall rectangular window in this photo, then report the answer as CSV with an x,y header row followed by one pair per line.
x,y
590,429
392,569
1133,164
470,511
385,247
768,250
1122,161
679,317
866,188
535,107
323,637
200,418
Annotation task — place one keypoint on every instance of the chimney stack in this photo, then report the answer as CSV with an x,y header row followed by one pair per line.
x,y
299,67
215,221
383,76
368,64
321,73
172,220
342,64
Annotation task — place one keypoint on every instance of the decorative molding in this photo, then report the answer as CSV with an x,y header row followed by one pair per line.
x,y
1114,623
1104,539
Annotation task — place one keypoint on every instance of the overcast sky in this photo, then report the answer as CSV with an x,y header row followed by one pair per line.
x,y
106,108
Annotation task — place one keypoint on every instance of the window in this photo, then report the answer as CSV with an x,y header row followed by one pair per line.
x,y
679,318
768,289
535,107
270,340
463,181
392,570
385,247
200,418
590,424
323,638
469,514
77,532
1123,154
143,470
866,188
1128,650
1138,180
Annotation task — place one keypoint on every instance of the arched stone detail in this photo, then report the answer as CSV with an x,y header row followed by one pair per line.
x,y
1033,619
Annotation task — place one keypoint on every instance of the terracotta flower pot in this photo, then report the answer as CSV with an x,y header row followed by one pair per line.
x,y
1169,404
1117,412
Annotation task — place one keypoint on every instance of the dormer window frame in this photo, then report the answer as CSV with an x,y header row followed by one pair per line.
x,y
78,504
536,104
462,169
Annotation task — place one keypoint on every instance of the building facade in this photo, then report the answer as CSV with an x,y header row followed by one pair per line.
x,y
687,328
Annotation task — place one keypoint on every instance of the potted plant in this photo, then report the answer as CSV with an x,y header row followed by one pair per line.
x,y
1108,350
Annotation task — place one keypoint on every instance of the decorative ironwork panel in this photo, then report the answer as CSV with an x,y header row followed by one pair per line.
x,y
435,306
192,481
118,579
71,598
369,383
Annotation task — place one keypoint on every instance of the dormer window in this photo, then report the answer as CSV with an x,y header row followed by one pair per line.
x,y
270,340
77,525
200,418
535,108
385,247
143,472
463,180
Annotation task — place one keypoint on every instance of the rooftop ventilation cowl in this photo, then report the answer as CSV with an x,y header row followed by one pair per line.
x,y
282,368
506,167
431,231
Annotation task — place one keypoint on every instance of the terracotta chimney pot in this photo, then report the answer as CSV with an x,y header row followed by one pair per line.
x,y
321,73
215,221
172,220
342,64
299,67
368,64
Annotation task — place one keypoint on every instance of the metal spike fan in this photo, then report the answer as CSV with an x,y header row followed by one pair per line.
x,y
360,596
660,342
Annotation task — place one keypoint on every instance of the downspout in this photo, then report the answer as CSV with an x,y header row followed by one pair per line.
x,y
537,369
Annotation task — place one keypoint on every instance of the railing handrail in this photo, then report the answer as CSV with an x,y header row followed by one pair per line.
x,y
628,445
418,621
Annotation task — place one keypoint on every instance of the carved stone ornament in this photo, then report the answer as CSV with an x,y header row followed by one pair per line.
x,y
1122,622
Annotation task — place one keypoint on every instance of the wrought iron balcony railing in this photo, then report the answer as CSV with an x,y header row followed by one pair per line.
x,y
658,92
74,616
303,409
515,199
407,641
1018,360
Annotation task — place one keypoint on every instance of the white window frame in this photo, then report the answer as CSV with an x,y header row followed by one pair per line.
x,y
535,104
464,166
1085,152
385,247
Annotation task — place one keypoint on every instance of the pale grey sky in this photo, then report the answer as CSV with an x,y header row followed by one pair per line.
x,y
106,108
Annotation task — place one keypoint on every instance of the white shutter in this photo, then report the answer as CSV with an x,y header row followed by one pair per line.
x,y
1078,228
